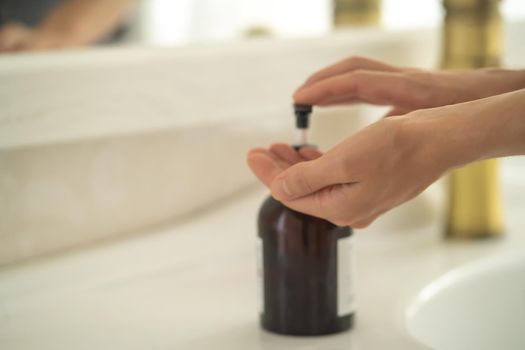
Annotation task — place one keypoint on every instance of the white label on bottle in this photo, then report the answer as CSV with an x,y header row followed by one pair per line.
x,y
260,274
345,287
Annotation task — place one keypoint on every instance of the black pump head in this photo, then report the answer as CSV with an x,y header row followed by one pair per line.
x,y
302,115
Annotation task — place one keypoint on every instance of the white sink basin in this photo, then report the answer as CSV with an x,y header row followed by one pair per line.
x,y
480,306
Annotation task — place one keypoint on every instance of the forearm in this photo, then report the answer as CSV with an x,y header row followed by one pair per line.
x,y
505,80
504,125
456,135
85,21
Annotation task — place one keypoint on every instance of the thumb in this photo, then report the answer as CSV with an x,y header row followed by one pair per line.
x,y
308,177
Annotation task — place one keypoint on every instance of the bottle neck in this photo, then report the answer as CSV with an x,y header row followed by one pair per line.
x,y
301,137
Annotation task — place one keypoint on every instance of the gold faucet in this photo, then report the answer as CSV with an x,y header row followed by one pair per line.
x,y
472,39
355,13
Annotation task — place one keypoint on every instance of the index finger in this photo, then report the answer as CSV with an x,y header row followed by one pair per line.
x,y
379,88
348,65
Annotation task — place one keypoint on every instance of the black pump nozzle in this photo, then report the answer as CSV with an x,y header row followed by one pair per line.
x,y
302,115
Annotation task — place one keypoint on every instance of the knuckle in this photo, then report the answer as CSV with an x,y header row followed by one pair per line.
x,y
359,77
330,92
419,82
355,61
359,74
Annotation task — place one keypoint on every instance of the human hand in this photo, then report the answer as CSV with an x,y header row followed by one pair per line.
x,y
362,80
18,37
268,163
14,37
369,173
73,23
392,160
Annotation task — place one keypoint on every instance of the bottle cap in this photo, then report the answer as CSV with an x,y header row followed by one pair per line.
x,y
302,115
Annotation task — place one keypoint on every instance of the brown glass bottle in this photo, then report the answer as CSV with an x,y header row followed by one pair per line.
x,y
305,273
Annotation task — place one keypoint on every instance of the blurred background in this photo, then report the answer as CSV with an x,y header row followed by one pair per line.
x,y
168,23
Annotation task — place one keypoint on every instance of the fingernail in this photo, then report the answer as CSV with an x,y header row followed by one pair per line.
x,y
285,189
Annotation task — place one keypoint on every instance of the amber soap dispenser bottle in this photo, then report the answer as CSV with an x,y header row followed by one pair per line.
x,y
304,266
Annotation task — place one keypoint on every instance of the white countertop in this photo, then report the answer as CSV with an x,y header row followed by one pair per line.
x,y
192,285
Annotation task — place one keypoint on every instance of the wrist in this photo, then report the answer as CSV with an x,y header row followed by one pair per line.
x,y
520,79
503,80
446,136
503,117
455,135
